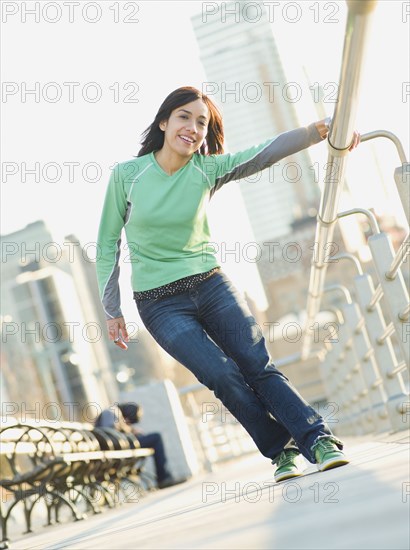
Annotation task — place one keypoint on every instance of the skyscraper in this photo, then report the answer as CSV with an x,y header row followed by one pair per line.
x,y
52,345
246,78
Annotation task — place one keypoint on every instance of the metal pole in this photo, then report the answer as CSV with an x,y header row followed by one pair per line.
x,y
339,139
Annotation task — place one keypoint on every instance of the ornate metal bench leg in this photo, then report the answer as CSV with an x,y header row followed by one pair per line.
x,y
89,500
4,540
61,498
28,510
5,518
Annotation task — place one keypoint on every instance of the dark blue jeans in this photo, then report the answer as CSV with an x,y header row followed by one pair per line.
x,y
211,331
154,441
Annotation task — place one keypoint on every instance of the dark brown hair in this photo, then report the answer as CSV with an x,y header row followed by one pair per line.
x,y
153,136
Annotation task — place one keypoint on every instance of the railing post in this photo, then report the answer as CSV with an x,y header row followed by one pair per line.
x,y
402,179
343,367
352,382
371,392
401,173
394,290
383,353
333,381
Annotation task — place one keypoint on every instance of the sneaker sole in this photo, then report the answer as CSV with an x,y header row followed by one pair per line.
x,y
332,463
287,475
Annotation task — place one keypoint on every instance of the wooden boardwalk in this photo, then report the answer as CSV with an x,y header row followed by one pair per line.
x,y
364,505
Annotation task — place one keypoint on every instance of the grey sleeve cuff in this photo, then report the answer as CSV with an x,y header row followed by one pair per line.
x,y
113,315
314,136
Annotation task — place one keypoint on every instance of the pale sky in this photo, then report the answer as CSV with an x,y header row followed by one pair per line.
x,y
148,59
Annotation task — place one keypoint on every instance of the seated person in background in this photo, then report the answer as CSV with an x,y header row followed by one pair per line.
x,y
121,418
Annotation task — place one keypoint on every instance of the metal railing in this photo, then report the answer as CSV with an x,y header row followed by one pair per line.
x,y
339,139
362,369
217,436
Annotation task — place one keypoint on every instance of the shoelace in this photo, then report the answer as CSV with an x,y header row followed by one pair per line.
x,y
325,445
286,457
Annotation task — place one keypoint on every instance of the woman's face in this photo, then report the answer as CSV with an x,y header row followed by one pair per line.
x,y
186,128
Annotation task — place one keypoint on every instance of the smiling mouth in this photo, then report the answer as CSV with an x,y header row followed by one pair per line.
x,y
187,140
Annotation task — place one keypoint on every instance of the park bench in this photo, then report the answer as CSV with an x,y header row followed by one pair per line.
x,y
67,464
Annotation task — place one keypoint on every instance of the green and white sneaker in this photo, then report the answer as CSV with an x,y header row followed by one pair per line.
x,y
327,454
287,466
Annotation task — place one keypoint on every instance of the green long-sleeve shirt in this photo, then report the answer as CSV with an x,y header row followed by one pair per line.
x,y
165,217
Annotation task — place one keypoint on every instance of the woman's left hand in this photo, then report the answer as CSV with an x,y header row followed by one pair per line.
x,y
356,140
323,129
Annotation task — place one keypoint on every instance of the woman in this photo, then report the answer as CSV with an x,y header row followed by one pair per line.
x,y
183,297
